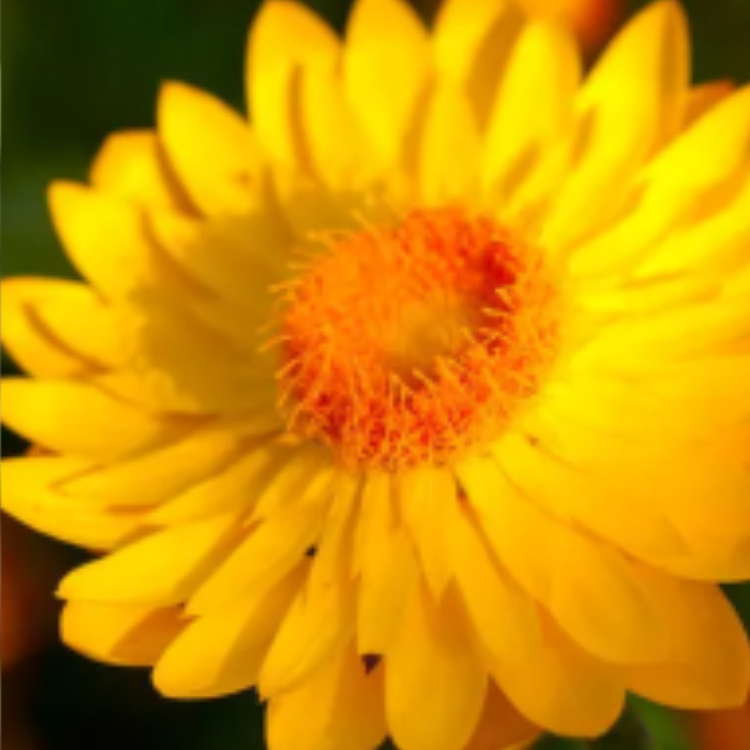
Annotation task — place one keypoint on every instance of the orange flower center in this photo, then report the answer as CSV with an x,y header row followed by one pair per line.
x,y
409,345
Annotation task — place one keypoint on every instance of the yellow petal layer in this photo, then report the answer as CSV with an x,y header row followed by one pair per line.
x,y
31,494
339,708
386,63
222,652
285,39
128,635
432,671
131,164
210,148
164,568
75,418
708,666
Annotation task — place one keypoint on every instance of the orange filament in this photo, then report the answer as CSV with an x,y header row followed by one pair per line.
x,y
409,345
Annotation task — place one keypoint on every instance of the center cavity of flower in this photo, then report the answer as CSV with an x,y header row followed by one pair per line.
x,y
409,345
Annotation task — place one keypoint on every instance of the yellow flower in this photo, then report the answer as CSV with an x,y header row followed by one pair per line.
x,y
421,403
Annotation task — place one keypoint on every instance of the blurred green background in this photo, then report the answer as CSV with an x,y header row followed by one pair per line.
x,y
73,72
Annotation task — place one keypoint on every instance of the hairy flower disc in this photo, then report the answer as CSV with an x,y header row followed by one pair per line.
x,y
409,345
419,402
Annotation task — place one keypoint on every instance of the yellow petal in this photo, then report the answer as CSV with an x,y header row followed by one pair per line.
x,y
285,39
567,467
237,487
449,152
68,310
25,337
504,618
310,478
221,653
129,635
428,504
210,148
339,708
317,626
385,563
69,417
473,41
386,63
592,590
160,474
246,257
338,150
501,725
561,688
158,342
162,569
635,89
131,164
432,671
703,98
105,238
269,552
30,494
718,241
682,166
708,666
534,106
676,183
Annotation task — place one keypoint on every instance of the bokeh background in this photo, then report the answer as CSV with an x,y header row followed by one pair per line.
x,y
74,71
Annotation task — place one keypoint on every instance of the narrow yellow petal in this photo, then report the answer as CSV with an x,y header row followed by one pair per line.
x,y
682,165
449,152
269,552
246,257
106,240
501,725
76,418
432,671
708,666
211,149
635,88
385,563
473,41
222,652
567,467
68,310
428,504
131,164
237,487
703,98
504,618
310,478
31,344
534,106
30,494
338,149
591,589
319,622
386,63
679,181
285,39
162,569
128,635
561,688
718,241
160,474
339,708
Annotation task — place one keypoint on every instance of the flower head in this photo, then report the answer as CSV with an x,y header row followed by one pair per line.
x,y
419,403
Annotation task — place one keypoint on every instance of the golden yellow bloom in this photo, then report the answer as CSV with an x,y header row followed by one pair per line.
x,y
421,403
